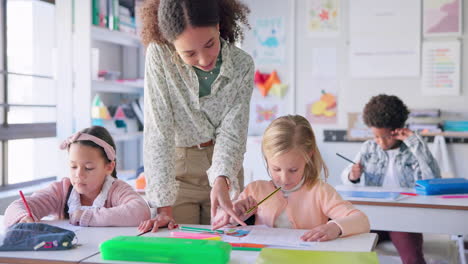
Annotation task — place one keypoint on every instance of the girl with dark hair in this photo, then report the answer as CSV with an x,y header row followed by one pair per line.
x,y
92,196
198,86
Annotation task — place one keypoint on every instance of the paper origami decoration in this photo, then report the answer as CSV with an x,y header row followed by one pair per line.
x,y
279,89
99,112
266,82
125,118
120,118
266,113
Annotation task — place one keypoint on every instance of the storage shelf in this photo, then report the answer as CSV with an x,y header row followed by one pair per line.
x,y
339,135
127,136
114,36
117,87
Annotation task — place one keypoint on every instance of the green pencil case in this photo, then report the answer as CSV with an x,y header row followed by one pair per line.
x,y
165,250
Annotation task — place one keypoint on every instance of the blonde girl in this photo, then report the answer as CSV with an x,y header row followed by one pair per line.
x,y
305,200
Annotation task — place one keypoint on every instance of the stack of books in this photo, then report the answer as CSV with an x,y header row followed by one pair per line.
x,y
425,120
126,21
115,15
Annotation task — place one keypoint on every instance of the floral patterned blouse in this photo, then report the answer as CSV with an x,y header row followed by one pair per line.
x,y
175,116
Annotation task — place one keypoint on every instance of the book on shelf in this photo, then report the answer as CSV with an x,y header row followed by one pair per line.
x,y
430,112
113,14
100,13
124,11
456,125
127,20
426,128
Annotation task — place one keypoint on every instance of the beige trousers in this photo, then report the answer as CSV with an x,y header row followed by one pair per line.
x,y
193,205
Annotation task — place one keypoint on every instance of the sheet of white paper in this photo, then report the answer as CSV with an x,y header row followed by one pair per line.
x,y
283,237
324,63
385,38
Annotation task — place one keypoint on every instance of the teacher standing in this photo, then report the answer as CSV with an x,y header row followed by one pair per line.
x,y
198,87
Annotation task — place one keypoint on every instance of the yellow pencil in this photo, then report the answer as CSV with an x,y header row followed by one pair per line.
x,y
264,199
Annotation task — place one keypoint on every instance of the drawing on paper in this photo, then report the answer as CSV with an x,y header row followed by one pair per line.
x,y
442,17
323,17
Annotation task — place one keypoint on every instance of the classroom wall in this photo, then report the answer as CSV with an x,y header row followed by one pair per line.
x,y
353,93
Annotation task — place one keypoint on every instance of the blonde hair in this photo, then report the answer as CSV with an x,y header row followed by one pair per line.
x,y
295,132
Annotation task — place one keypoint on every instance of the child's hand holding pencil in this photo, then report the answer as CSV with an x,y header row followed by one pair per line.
x,y
29,218
356,169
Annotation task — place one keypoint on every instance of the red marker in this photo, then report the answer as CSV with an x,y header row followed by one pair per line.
x,y
408,193
26,205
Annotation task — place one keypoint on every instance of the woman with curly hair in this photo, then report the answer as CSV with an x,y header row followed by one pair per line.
x,y
396,157
198,86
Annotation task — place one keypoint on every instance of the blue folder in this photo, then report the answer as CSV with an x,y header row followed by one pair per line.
x,y
442,186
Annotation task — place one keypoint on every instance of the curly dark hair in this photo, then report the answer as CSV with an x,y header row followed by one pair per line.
x,y
385,111
164,20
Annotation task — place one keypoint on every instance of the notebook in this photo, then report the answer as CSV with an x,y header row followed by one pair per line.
x,y
370,194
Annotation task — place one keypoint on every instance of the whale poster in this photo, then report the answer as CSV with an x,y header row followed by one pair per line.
x,y
269,35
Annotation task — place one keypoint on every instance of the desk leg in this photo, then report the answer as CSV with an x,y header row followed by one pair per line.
x,y
461,248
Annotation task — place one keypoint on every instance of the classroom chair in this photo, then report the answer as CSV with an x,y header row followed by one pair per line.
x,y
438,249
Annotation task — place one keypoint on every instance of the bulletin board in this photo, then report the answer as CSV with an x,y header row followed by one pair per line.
x,y
270,42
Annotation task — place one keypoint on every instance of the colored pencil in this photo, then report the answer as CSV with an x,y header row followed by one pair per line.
x,y
247,248
197,229
26,205
345,158
264,199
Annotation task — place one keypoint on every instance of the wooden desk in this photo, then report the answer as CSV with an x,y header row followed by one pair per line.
x,y
358,243
420,214
89,239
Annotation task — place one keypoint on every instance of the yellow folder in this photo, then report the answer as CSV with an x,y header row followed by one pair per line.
x,y
274,255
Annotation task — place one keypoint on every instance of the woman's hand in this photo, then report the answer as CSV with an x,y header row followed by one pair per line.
x,y
240,207
162,219
322,233
401,133
26,219
220,200
75,217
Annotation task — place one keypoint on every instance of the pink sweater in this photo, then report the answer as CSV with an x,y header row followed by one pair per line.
x,y
123,207
307,208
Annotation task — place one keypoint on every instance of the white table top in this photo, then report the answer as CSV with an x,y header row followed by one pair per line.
x,y
359,243
422,201
89,239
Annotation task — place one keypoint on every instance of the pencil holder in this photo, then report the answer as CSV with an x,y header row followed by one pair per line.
x,y
166,250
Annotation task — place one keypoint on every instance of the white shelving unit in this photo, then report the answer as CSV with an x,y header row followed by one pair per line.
x,y
117,87
128,136
118,51
116,37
